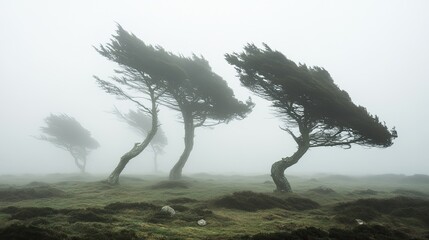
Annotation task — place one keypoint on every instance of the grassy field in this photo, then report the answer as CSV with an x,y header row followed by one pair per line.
x,y
234,207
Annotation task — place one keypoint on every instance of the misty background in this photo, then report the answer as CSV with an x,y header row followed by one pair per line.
x,y
377,51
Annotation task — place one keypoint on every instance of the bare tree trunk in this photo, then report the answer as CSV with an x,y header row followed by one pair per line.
x,y
176,171
136,150
278,168
81,166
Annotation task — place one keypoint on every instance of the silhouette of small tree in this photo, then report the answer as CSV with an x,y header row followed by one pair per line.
x,y
66,133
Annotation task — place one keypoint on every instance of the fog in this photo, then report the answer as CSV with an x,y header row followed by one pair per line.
x,y
377,51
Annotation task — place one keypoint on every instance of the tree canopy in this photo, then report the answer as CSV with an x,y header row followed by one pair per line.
x,y
308,101
188,83
67,133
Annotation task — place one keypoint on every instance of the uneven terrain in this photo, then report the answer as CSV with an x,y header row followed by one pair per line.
x,y
234,207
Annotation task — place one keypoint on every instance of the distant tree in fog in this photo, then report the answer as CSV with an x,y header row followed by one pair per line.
x,y
188,84
66,133
315,111
141,122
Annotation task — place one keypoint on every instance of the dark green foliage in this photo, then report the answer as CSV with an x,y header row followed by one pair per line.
x,y
189,82
186,84
309,103
307,97
250,201
18,194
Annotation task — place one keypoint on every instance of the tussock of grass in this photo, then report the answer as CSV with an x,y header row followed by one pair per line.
x,y
181,200
251,201
170,185
117,206
365,192
87,215
18,194
322,190
358,233
410,193
22,232
368,209
29,212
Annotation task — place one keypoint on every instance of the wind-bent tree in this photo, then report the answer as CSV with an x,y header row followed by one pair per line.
x,y
141,122
204,99
315,111
189,86
133,84
66,133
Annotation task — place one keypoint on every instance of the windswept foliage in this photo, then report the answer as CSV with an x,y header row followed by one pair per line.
x,y
308,100
188,83
66,133
130,83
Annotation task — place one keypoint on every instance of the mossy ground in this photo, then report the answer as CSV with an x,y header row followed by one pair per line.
x,y
235,207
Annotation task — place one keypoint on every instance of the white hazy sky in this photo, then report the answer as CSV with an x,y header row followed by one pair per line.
x,y
377,51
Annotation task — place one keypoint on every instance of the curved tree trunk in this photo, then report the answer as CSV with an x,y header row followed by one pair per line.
x,y
278,168
82,165
136,150
176,171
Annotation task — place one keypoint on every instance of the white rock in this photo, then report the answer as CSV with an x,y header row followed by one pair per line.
x,y
359,221
169,210
202,222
